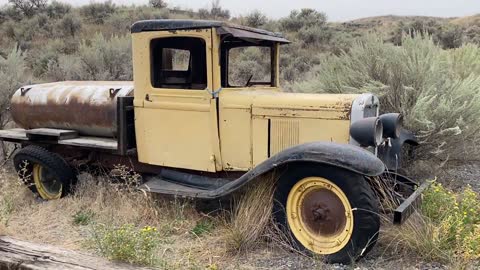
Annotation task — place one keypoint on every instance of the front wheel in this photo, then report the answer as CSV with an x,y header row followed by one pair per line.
x,y
328,211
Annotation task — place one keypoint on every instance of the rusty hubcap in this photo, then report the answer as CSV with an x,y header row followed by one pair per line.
x,y
323,212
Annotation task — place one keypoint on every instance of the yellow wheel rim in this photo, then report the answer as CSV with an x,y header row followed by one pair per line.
x,y
319,215
47,186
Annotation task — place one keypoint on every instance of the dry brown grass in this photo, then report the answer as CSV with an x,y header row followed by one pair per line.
x,y
251,215
104,202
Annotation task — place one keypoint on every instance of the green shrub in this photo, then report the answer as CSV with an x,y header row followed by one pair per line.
x,y
157,3
448,35
126,243
57,10
122,21
83,217
315,36
472,34
66,67
28,7
104,59
447,229
12,76
306,17
215,12
451,36
256,19
98,12
9,13
203,226
435,89
39,58
69,25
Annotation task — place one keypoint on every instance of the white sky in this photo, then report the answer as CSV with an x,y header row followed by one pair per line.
x,y
337,10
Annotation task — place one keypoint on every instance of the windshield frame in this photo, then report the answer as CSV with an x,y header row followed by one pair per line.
x,y
227,45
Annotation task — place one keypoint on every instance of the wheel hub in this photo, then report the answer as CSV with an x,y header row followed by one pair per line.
x,y
319,215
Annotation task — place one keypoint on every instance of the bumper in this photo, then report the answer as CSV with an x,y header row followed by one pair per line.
x,y
403,212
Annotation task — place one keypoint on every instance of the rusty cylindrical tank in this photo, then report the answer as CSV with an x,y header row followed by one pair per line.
x,y
87,107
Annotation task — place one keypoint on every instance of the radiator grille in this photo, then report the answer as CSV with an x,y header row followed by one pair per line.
x,y
283,134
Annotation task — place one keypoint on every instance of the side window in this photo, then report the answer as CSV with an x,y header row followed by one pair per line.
x,y
179,63
247,65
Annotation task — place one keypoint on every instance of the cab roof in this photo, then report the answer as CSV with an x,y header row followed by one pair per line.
x,y
223,28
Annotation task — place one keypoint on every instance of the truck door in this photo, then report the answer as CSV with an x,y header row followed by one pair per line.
x,y
175,114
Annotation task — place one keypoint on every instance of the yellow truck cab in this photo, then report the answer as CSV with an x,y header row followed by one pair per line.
x,y
194,124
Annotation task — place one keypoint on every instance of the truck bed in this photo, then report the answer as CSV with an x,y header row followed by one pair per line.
x,y
55,136
122,142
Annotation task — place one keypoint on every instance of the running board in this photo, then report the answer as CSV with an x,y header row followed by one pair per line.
x,y
158,185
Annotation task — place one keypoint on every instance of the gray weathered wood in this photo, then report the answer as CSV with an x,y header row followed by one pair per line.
x,y
20,134
14,133
16,254
52,133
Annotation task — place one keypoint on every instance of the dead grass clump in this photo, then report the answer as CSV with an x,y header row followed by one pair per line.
x,y
251,215
13,195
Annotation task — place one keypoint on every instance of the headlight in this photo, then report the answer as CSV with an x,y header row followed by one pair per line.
x,y
392,123
367,131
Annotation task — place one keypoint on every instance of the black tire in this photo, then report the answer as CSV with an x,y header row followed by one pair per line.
x,y
366,220
25,159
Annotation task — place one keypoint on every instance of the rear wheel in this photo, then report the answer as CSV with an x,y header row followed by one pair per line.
x,y
45,173
328,211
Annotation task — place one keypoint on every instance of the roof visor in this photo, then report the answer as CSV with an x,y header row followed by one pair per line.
x,y
224,28
249,35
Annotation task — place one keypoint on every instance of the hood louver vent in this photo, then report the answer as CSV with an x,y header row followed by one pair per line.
x,y
283,134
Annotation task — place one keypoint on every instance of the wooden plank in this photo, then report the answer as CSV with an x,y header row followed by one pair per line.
x,y
14,134
19,134
51,133
92,142
16,254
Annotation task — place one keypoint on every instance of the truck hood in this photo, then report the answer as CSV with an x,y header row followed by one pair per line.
x,y
282,104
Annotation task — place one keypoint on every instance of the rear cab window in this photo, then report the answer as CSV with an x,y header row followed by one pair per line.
x,y
178,63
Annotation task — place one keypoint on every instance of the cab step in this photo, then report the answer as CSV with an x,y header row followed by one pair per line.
x,y
157,184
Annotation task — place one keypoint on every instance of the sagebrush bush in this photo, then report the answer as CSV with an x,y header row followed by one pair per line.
x,y
12,76
98,12
157,3
315,36
435,89
215,12
105,59
255,19
306,17
57,10
69,25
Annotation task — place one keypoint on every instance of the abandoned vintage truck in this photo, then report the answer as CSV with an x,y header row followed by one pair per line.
x,y
193,129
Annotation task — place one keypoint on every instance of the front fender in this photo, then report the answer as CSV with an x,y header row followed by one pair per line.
x,y
345,156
